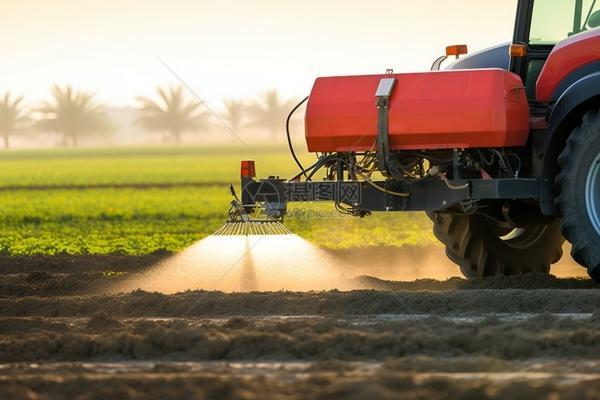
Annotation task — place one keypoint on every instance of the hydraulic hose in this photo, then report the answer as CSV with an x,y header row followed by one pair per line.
x,y
289,139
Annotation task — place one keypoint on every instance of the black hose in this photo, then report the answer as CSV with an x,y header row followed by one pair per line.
x,y
314,168
317,164
289,139
322,161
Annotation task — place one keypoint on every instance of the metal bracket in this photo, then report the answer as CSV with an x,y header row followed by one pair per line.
x,y
456,165
237,211
437,64
383,93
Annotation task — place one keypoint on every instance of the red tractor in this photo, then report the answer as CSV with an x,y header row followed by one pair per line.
x,y
501,149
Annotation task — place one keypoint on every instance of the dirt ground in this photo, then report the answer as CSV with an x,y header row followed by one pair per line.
x,y
65,333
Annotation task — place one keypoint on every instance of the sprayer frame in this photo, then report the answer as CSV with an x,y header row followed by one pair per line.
x,y
423,195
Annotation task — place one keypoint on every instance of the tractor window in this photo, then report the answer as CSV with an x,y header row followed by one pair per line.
x,y
591,14
553,20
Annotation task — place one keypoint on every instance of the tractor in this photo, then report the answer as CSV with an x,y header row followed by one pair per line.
x,y
500,148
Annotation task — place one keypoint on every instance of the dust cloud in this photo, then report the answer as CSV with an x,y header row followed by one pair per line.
x,y
397,264
245,263
288,262
430,262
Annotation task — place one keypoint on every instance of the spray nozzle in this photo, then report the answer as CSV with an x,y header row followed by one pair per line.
x,y
240,221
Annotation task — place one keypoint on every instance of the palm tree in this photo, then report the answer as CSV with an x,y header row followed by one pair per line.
x,y
173,115
12,117
234,113
73,114
270,112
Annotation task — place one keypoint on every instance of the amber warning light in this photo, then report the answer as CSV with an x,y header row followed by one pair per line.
x,y
456,50
518,50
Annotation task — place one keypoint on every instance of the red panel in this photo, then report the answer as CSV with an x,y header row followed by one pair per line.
x,y
432,110
568,55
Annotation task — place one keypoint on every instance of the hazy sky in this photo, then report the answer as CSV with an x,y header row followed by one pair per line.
x,y
230,48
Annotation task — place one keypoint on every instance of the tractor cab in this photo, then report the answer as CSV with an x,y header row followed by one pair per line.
x,y
540,26
501,149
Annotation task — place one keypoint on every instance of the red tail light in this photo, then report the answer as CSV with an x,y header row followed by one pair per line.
x,y
248,170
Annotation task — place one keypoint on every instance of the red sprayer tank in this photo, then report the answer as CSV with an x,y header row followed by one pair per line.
x,y
430,110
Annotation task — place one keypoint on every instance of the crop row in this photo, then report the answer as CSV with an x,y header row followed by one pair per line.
x,y
102,221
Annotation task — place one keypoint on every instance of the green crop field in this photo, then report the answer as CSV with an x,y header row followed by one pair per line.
x,y
46,208
137,165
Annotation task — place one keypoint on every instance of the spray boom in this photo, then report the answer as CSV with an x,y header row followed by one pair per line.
x,y
243,217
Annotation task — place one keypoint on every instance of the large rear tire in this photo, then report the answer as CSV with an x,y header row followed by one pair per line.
x,y
481,248
579,187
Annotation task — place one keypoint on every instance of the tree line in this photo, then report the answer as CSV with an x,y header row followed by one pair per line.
x,y
75,114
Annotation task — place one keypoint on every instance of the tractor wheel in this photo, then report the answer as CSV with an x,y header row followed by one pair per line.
x,y
579,186
482,248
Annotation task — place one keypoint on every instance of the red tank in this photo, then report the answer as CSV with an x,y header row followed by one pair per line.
x,y
430,110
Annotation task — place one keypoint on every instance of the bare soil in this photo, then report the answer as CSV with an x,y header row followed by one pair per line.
x,y
65,334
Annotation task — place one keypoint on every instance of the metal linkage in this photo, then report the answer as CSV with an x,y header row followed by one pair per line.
x,y
387,166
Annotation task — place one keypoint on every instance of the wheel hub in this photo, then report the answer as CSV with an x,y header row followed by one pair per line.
x,y
524,238
592,194
519,237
